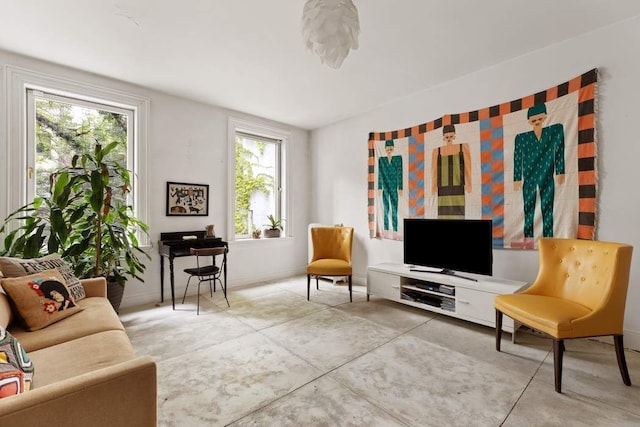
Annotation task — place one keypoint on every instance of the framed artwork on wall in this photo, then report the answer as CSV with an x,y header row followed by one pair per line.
x,y
185,199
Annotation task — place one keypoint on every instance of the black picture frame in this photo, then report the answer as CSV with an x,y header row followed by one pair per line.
x,y
184,199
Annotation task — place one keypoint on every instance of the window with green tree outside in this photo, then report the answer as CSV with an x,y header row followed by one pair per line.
x,y
258,183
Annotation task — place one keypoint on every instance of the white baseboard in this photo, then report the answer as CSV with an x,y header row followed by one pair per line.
x,y
251,279
144,298
632,340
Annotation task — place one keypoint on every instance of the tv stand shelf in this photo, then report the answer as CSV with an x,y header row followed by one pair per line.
x,y
450,295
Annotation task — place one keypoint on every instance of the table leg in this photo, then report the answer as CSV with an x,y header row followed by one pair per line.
x,y
173,297
213,262
161,278
224,271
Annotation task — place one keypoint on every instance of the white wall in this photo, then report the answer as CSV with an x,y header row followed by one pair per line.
x,y
339,151
188,143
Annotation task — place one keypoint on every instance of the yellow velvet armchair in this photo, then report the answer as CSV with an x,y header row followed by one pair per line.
x,y
580,292
331,254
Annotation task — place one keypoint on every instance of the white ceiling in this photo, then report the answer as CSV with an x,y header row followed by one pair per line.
x,y
248,55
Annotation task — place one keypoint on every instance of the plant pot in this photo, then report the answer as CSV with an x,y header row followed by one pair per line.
x,y
271,232
114,294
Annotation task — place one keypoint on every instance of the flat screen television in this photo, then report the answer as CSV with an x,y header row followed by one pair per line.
x,y
450,244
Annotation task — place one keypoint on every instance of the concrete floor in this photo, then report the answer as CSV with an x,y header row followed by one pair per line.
x,y
274,359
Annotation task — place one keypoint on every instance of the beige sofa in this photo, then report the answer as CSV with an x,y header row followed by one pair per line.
x,y
86,372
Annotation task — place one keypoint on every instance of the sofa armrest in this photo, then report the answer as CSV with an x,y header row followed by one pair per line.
x,y
95,287
120,395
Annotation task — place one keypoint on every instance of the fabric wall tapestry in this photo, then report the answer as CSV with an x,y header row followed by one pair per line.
x,y
529,165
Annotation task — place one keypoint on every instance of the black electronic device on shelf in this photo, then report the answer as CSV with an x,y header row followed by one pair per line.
x,y
449,246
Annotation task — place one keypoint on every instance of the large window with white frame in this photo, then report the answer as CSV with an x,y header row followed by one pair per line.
x,y
257,176
52,118
61,127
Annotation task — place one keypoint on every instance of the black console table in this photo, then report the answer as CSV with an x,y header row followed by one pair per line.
x,y
173,245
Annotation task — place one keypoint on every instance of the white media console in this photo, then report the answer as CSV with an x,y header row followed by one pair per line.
x,y
455,296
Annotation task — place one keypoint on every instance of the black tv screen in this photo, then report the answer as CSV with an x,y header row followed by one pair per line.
x,y
451,244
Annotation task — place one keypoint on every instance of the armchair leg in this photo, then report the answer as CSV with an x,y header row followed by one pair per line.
x,y
317,288
558,350
622,361
498,329
308,285
350,296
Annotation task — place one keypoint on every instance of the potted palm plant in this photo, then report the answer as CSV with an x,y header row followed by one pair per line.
x,y
274,226
87,220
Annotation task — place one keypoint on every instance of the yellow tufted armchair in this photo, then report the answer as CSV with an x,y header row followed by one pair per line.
x,y
580,291
331,254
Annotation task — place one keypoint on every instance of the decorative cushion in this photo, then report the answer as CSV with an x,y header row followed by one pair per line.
x,y
11,380
16,369
18,267
6,314
40,299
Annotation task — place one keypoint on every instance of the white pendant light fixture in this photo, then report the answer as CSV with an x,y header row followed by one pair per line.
x,y
330,29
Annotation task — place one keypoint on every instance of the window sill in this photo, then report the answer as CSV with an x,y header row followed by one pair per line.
x,y
261,241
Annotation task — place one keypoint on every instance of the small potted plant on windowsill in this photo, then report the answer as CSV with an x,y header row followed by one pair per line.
x,y
256,233
274,227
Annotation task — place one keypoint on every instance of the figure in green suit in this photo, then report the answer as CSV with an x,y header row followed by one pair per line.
x,y
390,184
538,156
